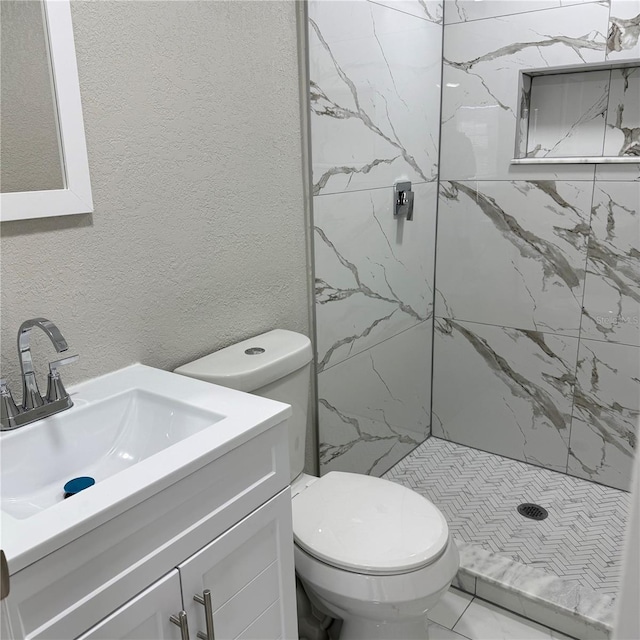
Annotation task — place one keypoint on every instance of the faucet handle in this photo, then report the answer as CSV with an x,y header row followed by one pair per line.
x,y
8,408
63,362
55,388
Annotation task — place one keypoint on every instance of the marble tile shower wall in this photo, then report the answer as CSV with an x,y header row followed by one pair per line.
x,y
375,72
537,315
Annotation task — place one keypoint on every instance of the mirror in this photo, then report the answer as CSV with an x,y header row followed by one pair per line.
x,y
31,158
44,170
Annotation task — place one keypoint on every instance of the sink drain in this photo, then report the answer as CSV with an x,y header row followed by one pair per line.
x,y
532,511
77,484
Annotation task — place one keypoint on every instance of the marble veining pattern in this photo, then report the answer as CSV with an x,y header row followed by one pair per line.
x,y
623,39
374,274
622,137
375,77
606,413
374,407
559,602
513,253
482,60
572,560
504,390
612,290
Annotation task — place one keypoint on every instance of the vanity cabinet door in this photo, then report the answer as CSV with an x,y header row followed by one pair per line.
x,y
145,616
249,572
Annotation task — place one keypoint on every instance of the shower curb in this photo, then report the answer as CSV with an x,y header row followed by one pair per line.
x,y
559,603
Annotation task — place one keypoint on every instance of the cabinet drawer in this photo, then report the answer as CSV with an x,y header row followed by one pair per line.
x,y
248,570
71,589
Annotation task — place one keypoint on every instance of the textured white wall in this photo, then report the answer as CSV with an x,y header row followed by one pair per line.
x,y
198,236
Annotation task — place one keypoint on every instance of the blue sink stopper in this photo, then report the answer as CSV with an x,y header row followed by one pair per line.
x,y
77,484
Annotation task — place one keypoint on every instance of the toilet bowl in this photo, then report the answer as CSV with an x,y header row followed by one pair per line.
x,y
371,552
377,607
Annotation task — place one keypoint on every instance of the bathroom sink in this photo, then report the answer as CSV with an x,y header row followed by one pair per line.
x,y
135,431
96,440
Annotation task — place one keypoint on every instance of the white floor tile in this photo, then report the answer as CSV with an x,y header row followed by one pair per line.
x,y
483,621
573,625
448,611
436,632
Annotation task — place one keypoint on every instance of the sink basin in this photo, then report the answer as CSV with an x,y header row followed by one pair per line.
x,y
136,431
96,440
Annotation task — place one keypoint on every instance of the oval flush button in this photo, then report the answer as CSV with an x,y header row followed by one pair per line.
x,y
254,351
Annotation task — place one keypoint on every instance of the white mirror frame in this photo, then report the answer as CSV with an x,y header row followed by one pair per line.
x,y
76,197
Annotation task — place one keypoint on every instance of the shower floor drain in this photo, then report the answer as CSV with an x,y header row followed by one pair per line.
x,y
533,511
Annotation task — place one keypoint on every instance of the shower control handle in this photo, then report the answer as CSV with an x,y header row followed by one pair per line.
x,y
403,200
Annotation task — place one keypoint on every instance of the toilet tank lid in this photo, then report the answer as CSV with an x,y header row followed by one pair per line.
x,y
253,363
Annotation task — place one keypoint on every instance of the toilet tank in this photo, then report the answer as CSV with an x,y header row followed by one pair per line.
x,y
274,365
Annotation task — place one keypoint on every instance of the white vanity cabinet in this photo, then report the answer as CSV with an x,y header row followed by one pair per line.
x,y
225,528
144,617
247,572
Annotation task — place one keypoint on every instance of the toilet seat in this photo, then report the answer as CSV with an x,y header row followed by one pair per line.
x,y
368,525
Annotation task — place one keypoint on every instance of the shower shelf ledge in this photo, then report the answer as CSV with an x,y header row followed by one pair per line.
x,y
525,85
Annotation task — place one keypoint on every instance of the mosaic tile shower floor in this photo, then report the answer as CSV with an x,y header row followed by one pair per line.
x,y
582,539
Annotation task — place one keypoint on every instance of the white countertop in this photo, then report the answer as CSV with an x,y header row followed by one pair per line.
x,y
25,541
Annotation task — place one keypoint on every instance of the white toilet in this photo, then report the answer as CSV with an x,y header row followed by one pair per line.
x,y
368,551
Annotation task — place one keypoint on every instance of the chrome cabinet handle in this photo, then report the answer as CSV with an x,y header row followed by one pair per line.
x,y
181,621
205,599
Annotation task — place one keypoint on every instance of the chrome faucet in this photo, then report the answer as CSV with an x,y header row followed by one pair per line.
x,y
34,406
31,397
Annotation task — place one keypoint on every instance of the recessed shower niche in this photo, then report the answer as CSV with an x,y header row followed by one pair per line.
x,y
589,114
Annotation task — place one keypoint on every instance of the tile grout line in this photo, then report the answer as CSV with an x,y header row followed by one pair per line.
x,y
606,112
302,26
606,45
374,188
373,346
435,228
584,292
473,180
453,628
506,326
413,15
547,332
463,611
521,13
